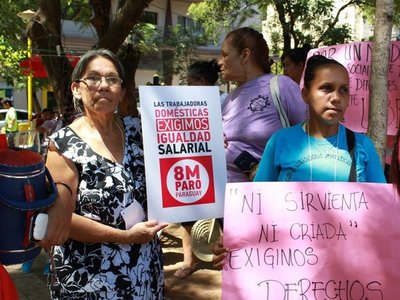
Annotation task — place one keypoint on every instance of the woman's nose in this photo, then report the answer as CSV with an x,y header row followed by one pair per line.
x,y
336,96
103,83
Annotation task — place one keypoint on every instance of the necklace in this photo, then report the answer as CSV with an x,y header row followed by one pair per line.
x,y
104,145
306,128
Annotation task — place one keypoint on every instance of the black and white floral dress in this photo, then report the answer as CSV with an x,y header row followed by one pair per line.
x,y
107,270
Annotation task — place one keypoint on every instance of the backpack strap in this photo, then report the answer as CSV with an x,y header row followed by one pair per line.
x,y
350,138
274,87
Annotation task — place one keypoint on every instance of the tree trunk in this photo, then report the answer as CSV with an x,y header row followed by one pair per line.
x,y
45,33
119,28
129,57
378,86
166,54
101,16
280,8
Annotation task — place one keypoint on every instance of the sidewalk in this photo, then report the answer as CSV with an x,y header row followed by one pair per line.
x,y
204,284
31,286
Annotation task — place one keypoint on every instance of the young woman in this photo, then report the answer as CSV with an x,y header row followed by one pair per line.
x,y
318,149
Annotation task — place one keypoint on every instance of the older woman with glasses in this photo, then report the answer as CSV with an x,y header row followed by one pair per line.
x,y
97,164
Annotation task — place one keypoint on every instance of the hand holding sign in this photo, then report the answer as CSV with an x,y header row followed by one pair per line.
x,y
220,253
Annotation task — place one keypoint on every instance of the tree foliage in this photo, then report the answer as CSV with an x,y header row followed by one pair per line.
x,y
296,22
219,16
118,26
10,57
184,42
112,27
13,27
13,47
369,11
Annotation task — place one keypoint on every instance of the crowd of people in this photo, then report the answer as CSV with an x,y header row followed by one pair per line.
x,y
98,167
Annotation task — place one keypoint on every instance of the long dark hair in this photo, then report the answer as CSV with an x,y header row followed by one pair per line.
x,y
297,55
314,63
394,172
203,69
85,59
250,38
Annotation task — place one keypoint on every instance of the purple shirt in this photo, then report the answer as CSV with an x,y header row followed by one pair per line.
x,y
250,118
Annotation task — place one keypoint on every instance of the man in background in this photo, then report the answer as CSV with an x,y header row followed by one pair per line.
x,y
11,120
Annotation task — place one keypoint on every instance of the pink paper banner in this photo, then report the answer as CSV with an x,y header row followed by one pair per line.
x,y
311,240
356,57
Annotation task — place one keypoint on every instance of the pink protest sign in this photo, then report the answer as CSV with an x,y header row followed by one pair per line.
x,y
311,240
356,57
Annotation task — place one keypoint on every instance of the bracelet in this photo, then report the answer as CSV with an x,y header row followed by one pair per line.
x,y
65,185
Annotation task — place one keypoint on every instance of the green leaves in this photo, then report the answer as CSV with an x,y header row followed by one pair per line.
x,y
291,23
10,58
184,42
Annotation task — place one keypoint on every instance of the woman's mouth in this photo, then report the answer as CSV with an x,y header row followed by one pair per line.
x,y
337,110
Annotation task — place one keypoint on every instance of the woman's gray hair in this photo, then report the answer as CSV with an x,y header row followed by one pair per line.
x,y
82,64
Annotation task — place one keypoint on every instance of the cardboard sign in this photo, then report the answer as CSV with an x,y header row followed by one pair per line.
x,y
356,57
311,240
184,152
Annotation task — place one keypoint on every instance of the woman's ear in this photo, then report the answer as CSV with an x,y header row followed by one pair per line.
x,y
304,93
245,54
75,91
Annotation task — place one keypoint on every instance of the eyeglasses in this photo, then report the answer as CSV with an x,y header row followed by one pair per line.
x,y
94,81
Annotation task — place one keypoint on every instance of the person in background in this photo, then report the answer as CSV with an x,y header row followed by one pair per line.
x,y
203,72
199,73
48,124
11,120
317,149
98,167
37,119
248,112
294,62
26,267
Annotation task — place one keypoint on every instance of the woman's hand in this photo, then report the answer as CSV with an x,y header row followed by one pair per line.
x,y
219,253
143,232
58,228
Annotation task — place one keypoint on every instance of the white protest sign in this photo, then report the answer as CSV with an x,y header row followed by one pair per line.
x,y
184,152
311,240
